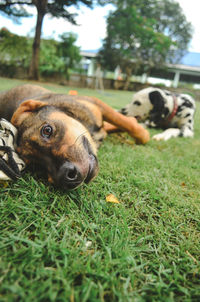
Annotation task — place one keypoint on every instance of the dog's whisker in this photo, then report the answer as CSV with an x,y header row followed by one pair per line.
x,y
80,136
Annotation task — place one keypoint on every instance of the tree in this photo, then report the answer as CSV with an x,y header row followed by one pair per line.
x,y
14,52
142,34
56,57
59,57
55,8
68,51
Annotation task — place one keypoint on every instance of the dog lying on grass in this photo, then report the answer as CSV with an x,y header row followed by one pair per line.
x,y
63,132
163,109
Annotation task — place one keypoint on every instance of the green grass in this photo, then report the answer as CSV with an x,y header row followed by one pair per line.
x,y
75,246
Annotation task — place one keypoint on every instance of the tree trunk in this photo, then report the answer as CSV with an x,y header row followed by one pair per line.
x,y
34,65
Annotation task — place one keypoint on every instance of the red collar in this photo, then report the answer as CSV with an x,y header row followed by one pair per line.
x,y
170,117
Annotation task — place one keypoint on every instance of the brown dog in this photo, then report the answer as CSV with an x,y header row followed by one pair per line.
x,y
62,132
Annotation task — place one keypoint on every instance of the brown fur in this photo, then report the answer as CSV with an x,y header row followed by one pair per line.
x,y
76,126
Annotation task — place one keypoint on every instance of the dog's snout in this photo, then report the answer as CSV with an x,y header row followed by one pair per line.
x,y
69,176
124,111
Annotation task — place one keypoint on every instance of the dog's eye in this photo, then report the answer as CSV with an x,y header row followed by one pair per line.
x,y
46,131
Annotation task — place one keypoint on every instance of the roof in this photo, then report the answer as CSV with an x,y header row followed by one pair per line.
x,y
191,59
89,53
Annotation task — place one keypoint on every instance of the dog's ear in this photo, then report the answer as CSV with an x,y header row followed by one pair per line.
x,y
24,110
157,101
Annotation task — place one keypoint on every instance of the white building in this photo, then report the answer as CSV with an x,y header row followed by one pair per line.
x,y
188,70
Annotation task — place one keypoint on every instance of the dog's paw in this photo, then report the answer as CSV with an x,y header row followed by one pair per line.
x,y
167,134
159,137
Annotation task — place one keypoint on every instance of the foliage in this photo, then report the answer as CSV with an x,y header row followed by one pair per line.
x,y
75,246
59,57
69,53
55,57
50,62
14,49
146,33
55,8
14,9
58,8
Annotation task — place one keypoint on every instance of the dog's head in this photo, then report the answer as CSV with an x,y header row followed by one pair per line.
x,y
57,141
139,107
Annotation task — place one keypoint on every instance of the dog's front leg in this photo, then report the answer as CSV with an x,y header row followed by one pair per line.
x,y
187,131
124,123
119,122
174,132
167,134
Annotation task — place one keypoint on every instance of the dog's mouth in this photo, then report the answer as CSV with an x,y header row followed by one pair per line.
x,y
93,162
93,168
138,118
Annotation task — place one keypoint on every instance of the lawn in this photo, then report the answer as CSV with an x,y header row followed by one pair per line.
x,y
76,246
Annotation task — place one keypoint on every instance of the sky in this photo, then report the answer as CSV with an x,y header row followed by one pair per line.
x,y
92,25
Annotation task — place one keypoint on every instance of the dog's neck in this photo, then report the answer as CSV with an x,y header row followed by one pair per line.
x,y
175,108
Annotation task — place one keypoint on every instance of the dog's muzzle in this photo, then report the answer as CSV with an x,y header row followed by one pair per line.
x,y
70,176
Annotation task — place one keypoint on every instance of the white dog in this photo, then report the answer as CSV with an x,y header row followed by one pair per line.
x,y
163,109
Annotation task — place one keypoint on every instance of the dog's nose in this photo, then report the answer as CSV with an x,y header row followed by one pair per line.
x,y
123,111
69,176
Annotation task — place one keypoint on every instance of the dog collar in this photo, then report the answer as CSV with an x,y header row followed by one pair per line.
x,y
170,117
